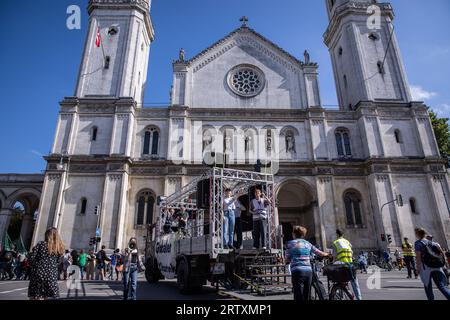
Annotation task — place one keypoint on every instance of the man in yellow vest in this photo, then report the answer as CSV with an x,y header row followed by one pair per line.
x,y
344,254
409,256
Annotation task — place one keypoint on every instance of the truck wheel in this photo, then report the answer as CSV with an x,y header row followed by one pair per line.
x,y
183,277
151,273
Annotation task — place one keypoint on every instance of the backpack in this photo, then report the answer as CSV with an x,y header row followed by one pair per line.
x,y
432,255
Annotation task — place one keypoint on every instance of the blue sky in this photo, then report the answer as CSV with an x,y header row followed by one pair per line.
x,y
40,57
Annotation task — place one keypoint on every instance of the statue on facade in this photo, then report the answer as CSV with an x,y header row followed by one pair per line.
x,y
290,142
181,55
228,147
269,141
207,140
307,57
248,143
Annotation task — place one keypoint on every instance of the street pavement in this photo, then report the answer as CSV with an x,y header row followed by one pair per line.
x,y
393,286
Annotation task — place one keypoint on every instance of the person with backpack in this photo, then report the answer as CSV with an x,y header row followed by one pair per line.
x,y
430,261
101,259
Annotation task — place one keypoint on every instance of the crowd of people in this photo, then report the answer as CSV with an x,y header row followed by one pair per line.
x,y
14,265
49,262
92,265
425,259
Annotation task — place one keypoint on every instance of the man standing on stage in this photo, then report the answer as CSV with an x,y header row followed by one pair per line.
x,y
258,208
229,207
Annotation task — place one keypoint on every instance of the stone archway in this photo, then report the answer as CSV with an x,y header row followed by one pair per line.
x,y
20,223
296,204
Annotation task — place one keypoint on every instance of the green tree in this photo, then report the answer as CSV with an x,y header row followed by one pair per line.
x,y
441,129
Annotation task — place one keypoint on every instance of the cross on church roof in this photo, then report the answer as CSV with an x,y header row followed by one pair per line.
x,y
244,21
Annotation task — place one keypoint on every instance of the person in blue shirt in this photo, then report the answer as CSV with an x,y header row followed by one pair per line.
x,y
298,255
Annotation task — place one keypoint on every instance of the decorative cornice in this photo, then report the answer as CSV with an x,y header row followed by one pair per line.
x,y
356,8
245,35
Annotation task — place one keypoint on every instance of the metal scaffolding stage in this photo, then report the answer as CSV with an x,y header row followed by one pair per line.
x,y
208,224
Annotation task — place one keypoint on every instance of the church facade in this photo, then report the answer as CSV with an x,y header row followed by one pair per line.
x,y
248,99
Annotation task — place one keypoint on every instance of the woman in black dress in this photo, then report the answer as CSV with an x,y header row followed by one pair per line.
x,y
44,261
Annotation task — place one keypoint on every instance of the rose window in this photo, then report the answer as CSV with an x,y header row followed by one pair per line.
x,y
246,81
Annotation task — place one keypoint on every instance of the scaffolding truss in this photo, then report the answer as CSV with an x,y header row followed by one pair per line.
x,y
238,181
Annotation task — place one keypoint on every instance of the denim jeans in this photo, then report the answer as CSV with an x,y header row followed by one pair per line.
x,y
130,282
301,281
228,228
238,230
355,283
441,283
82,272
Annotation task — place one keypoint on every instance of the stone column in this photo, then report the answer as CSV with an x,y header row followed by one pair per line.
x,y
324,214
4,221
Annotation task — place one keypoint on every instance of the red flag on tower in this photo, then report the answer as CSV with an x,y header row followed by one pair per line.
x,y
98,39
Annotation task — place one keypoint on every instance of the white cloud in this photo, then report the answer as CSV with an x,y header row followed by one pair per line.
x,y
442,110
420,94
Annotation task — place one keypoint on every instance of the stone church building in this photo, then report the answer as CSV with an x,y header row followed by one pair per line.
x,y
249,99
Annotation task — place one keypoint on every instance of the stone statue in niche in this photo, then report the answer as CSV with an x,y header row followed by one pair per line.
x,y
248,143
290,142
269,142
207,140
228,147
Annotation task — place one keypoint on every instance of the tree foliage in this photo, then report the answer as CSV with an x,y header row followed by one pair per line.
x,y
441,129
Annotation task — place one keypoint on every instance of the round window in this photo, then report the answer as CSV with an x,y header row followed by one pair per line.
x,y
246,80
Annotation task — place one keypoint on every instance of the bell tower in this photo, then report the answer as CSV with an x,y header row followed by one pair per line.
x,y
364,52
116,53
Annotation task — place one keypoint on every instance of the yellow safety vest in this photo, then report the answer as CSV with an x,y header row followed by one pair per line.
x,y
344,252
408,251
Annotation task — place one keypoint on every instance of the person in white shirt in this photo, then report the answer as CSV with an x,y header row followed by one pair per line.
x,y
258,209
229,207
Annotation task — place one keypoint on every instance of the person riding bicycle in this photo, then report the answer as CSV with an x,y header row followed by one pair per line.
x,y
344,255
298,255
387,259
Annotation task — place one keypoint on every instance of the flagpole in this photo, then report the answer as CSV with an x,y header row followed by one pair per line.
x,y
101,43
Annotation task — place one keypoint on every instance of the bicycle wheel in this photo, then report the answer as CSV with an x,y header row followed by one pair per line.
x,y
317,291
340,292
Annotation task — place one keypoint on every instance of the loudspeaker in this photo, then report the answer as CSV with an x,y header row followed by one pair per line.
x,y
203,195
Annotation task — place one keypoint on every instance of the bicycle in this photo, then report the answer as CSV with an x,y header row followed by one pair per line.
x,y
317,291
338,277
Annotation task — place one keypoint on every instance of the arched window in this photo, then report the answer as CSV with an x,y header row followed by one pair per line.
x,y
343,145
145,207
412,205
83,205
151,141
94,132
353,214
398,136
